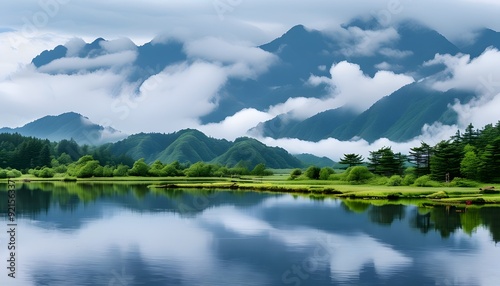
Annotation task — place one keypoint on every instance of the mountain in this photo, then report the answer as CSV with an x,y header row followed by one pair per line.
x,y
151,58
311,160
190,146
254,152
314,128
66,126
193,146
411,46
485,38
298,54
398,117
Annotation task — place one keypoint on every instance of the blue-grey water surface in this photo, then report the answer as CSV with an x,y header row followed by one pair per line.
x,y
116,234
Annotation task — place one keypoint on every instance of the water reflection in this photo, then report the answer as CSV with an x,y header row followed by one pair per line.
x,y
107,234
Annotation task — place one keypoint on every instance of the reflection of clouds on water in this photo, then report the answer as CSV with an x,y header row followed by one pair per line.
x,y
479,267
353,253
233,245
166,243
291,201
347,254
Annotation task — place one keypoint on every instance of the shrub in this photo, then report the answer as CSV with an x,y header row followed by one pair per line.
x,y
87,170
172,170
313,172
335,177
295,173
395,180
260,170
14,173
199,169
359,174
140,168
461,182
378,180
408,179
325,173
120,171
45,172
3,174
425,181
61,169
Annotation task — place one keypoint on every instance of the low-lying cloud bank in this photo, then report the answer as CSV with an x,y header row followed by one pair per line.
x,y
178,96
481,75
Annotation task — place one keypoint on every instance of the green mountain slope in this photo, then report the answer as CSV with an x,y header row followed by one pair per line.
x,y
253,152
402,115
68,125
190,146
399,117
193,146
312,160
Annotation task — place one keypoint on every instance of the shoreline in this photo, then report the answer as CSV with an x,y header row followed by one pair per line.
x,y
436,196
428,195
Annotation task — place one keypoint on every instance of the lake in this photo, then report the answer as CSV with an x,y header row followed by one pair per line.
x,y
118,234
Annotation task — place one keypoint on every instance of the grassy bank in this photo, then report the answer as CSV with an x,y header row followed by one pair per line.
x,y
442,195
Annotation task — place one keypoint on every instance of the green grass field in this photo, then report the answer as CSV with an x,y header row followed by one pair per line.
x,y
442,195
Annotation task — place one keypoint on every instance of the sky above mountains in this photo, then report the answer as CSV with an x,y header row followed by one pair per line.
x,y
220,39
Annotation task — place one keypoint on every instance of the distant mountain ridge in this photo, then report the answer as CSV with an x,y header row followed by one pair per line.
x,y
68,125
185,146
190,146
301,53
398,117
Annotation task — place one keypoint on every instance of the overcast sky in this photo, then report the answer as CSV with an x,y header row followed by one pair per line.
x,y
30,26
256,21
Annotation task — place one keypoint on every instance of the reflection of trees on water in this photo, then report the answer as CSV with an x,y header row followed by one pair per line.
x,y
386,214
34,198
355,206
491,218
446,220
28,202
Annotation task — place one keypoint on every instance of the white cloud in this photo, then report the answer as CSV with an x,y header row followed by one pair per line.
x,y
171,100
16,51
236,125
335,149
480,75
166,102
350,87
396,54
74,47
31,95
118,45
368,42
65,65
354,89
383,66
301,108
246,61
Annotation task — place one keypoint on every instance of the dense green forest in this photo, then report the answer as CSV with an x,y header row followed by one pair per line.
x,y
469,155
472,155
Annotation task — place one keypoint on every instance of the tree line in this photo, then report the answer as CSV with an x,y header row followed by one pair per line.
x,y
45,159
473,155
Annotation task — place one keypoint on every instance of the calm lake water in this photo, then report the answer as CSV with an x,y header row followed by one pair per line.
x,y
128,235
